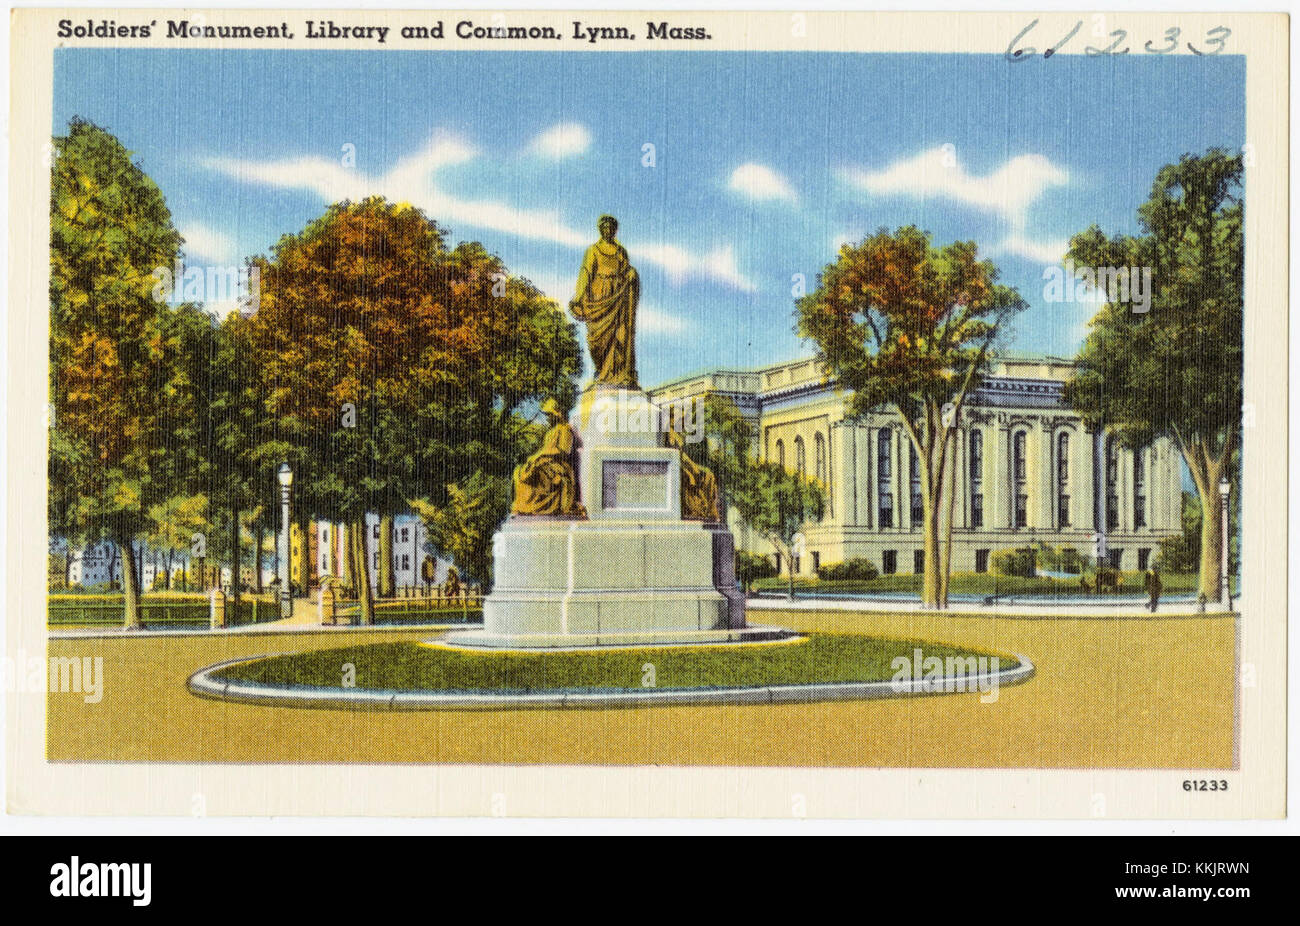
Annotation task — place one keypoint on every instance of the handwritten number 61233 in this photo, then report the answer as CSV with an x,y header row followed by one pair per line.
x,y
1212,44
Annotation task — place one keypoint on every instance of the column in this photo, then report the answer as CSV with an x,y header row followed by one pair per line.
x,y
1005,480
873,467
896,448
961,480
837,489
1172,487
1045,511
1125,489
834,485
849,454
1083,513
1099,480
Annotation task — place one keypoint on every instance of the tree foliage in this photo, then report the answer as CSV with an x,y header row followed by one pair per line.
x,y
1176,370
395,367
902,324
121,398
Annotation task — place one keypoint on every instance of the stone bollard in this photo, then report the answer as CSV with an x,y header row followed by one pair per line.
x,y
216,609
325,603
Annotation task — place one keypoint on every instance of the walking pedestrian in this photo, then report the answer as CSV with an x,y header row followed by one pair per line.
x,y
1151,582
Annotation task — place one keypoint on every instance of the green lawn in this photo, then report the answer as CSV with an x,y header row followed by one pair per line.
x,y
411,666
976,583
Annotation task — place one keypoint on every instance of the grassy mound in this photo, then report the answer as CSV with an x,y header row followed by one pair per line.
x,y
416,667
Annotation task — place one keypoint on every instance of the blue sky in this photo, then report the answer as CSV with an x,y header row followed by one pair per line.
x,y
764,162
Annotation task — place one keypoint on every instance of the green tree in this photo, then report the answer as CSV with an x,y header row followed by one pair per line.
x,y
750,567
785,501
173,524
726,446
120,397
394,367
909,326
462,528
1182,552
1175,370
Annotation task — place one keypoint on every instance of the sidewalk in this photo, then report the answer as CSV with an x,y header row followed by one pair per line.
x,y
1076,610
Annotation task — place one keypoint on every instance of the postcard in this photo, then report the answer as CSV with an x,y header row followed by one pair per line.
x,y
647,414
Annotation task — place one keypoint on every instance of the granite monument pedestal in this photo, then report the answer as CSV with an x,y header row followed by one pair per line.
x,y
633,572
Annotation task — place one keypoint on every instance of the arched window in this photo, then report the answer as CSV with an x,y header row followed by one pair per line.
x,y
976,478
800,457
1140,487
1020,474
884,477
1112,484
780,454
1063,479
819,456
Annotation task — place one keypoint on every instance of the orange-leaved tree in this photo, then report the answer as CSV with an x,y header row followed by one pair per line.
x,y
394,367
908,326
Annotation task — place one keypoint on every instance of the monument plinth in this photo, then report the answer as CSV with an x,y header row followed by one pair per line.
x,y
615,537
634,571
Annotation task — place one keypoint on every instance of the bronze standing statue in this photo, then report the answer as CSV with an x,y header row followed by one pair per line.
x,y
606,299
546,482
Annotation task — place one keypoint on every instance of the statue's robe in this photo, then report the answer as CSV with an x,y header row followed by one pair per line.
x,y
546,483
699,487
607,294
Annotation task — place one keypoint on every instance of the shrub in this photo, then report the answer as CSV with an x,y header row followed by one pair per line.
x,y
1061,559
1020,561
857,569
750,567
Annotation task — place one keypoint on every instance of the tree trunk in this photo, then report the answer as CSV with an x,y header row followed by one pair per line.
x,y
234,554
304,551
259,540
945,574
130,585
1211,550
361,570
931,587
1207,469
386,579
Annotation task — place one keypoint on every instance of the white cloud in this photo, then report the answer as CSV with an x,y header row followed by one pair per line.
x,y
1035,249
654,320
565,140
848,237
1008,191
207,244
762,183
412,180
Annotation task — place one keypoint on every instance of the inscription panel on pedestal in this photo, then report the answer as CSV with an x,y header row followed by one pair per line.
x,y
635,485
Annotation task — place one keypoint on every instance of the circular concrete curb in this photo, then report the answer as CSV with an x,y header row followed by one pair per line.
x,y
203,684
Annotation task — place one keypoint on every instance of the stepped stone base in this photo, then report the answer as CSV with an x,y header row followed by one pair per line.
x,y
482,639
572,578
634,572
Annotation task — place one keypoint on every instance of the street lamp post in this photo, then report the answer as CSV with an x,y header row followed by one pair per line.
x,y
1225,488
285,475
